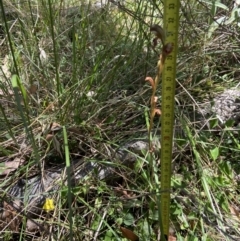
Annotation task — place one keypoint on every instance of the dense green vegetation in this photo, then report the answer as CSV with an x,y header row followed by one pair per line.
x,y
72,87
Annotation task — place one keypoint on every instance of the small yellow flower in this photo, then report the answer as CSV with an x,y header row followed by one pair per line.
x,y
48,205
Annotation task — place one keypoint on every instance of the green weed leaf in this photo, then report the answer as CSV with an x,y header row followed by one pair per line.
x,y
108,236
128,219
214,153
216,4
229,123
16,83
213,123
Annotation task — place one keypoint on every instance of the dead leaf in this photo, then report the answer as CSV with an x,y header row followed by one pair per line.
x,y
235,212
55,126
125,194
57,145
49,137
129,234
43,56
10,216
33,88
11,166
75,130
32,226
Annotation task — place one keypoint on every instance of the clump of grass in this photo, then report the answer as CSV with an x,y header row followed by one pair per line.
x,y
84,71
